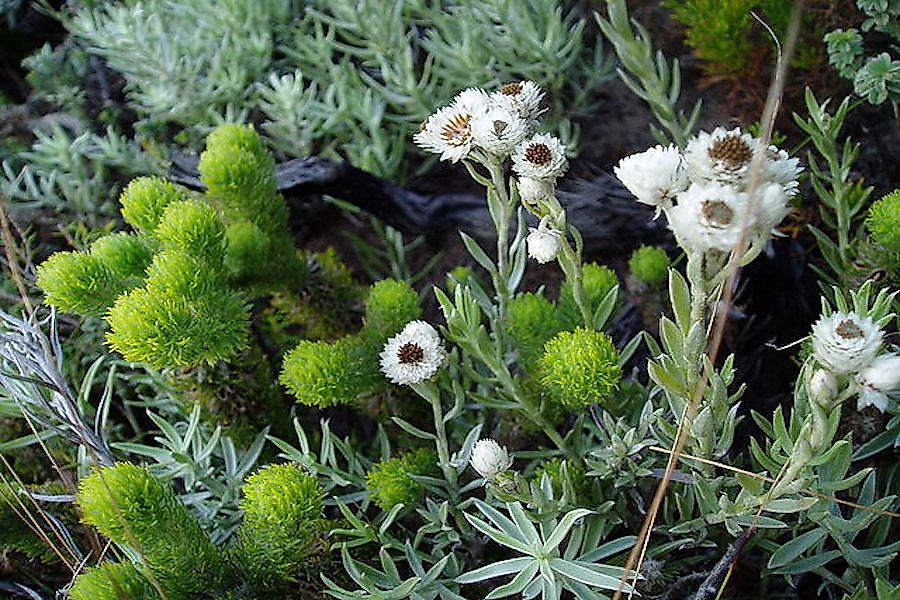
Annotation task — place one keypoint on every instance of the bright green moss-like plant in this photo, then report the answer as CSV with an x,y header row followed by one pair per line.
x,y
599,280
649,264
15,534
580,368
131,507
390,483
175,295
883,223
283,524
531,321
326,373
113,581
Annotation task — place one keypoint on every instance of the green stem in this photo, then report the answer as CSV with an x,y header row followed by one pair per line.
x,y
502,216
570,262
430,392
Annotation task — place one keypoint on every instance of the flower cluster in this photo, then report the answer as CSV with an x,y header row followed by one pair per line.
x,y
485,127
414,355
706,192
848,344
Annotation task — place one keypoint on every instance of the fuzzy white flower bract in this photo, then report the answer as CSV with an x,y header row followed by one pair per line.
x,y
541,157
779,168
721,156
710,216
498,130
533,190
654,176
448,131
822,387
543,243
490,458
845,342
414,355
770,206
878,380
524,97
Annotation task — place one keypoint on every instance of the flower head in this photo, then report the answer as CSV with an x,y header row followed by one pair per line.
x,y
543,243
654,176
413,355
845,342
721,156
448,131
710,216
541,157
878,380
770,206
779,168
533,190
498,130
490,458
524,97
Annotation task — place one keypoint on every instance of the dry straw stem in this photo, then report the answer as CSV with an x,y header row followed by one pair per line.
x,y
721,308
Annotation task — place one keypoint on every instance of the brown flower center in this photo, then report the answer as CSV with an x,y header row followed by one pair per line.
x,y
848,330
512,89
456,131
731,150
538,154
500,127
717,212
410,353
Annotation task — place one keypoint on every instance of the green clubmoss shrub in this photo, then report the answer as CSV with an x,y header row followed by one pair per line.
x,y
599,280
322,373
125,254
15,534
193,228
883,223
79,283
580,368
531,321
283,525
389,481
127,504
144,200
649,264
113,581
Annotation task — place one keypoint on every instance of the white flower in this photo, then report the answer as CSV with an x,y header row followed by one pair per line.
x,y
845,342
709,216
541,157
522,96
413,355
448,131
654,176
543,242
822,387
770,206
498,130
721,156
533,190
490,458
779,168
878,380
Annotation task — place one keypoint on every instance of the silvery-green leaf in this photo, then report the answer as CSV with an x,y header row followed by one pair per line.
x,y
498,569
562,529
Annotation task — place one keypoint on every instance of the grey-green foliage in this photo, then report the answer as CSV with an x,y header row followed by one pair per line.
x,y
875,77
340,78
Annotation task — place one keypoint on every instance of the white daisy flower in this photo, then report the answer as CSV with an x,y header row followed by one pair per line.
x,y
654,176
498,130
721,156
771,207
541,157
533,190
490,458
878,380
543,243
448,131
782,169
522,96
822,387
711,216
414,355
845,342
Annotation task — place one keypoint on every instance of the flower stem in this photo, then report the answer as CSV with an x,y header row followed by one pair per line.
x,y
430,392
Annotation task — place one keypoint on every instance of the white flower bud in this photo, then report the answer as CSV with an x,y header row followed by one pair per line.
x,y
543,243
654,176
822,387
878,380
490,458
533,190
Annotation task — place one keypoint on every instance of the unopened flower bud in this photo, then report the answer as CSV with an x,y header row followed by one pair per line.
x,y
878,380
490,458
822,387
543,243
533,190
